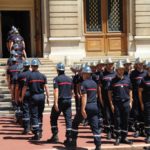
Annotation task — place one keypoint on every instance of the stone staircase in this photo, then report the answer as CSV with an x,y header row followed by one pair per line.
x,y
47,67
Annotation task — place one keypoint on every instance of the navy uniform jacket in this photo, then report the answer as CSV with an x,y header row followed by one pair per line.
x,y
121,88
36,82
145,84
106,79
136,78
64,85
89,87
13,72
22,79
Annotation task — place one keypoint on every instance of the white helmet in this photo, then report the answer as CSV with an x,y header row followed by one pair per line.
x,y
109,61
138,61
119,64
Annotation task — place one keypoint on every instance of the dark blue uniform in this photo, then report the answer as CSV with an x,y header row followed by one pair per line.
x,y
13,72
36,82
65,86
121,100
105,84
145,85
22,77
76,81
136,112
89,87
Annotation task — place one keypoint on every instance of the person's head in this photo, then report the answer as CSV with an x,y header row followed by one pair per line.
x,y
26,64
93,66
60,67
109,64
120,68
100,65
34,64
139,64
127,64
86,72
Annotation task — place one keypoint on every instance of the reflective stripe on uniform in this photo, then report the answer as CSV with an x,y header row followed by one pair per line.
x,y
68,129
25,118
74,130
96,135
53,127
147,127
124,131
34,126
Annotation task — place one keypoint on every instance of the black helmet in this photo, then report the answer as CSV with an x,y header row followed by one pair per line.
x,y
86,69
60,67
34,62
26,63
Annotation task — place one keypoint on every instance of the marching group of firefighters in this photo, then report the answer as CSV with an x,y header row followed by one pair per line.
x,y
110,97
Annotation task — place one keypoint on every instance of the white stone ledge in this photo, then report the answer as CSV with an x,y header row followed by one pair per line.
x,y
64,38
142,37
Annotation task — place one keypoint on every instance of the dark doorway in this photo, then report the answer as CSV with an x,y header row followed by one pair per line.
x,y
21,20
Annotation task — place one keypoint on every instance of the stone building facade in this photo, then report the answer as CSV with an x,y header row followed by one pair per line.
x,y
80,28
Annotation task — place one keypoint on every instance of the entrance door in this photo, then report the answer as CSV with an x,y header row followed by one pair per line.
x,y
105,27
21,20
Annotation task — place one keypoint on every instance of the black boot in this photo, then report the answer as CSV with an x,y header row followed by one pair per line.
x,y
36,137
98,147
68,142
126,141
147,140
53,139
108,135
74,144
117,142
136,134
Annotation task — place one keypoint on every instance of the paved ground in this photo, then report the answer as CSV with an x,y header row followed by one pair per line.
x,y
12,139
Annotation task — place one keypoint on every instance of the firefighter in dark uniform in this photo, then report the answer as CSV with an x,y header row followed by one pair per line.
x,y
96,77
36,82
76,80
16,38
107,76
144,97
136,77
120,98
22,77
63,90
12,74
89,108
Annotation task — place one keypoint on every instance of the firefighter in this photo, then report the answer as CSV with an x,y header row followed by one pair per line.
x,y
76,80
96,77
107,76
12,74
89,108
120,98
22,77
136,76
144,97
36,82
63,90
15,38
